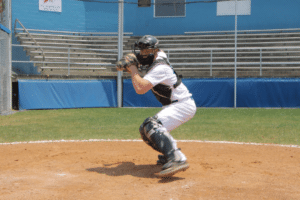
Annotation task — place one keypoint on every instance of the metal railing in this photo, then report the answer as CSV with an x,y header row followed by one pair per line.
x,y
261,64
24,29
74,32
212,63
69,58
242,31
70,33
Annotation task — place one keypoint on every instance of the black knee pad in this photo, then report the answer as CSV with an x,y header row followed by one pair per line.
x,y
147,128
156,136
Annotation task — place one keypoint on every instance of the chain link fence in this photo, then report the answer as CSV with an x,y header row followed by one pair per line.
x,y
5,58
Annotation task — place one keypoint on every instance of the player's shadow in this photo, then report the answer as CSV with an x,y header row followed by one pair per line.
x,y
129,168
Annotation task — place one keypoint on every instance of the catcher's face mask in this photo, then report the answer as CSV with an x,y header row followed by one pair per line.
x,y
145,45
146,52
145,56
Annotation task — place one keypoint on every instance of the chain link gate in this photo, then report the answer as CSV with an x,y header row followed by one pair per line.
x,y
5,58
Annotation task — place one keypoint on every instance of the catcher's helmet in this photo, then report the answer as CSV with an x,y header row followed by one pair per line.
x,y
145,42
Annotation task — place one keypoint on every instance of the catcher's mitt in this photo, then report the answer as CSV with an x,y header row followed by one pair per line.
x,y
127,60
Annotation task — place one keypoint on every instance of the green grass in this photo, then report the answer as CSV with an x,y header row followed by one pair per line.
x,y
280,126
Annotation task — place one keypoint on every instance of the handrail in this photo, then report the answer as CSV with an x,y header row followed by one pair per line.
x,y
53,47
166,49
78,33
243,31
29,36
48,62
230,48
241,63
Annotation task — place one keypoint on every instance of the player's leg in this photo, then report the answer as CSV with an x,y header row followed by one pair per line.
x,y
157,136
173,116
177,114
151,126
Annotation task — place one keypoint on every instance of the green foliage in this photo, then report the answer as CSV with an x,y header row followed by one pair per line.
x,y
279,126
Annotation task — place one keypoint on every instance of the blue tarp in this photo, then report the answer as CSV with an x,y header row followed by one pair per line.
x,y
268,92
211,92
55,94
206,92
132,99
251,92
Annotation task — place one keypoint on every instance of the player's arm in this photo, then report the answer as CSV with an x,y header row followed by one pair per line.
x,y
140,85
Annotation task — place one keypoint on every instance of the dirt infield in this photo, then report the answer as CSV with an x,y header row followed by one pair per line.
x,y
124,170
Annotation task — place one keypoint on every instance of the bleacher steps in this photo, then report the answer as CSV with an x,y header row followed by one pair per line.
x,y
99,50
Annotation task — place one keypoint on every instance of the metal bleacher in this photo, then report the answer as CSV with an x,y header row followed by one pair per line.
x,y
70,53
260,53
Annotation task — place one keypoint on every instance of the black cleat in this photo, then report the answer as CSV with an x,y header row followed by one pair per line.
x,y
173,167
161,160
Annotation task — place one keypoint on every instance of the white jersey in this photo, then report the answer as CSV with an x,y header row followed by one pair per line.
x,y
164,74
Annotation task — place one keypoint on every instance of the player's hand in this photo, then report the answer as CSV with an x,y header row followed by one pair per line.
x,y
126,62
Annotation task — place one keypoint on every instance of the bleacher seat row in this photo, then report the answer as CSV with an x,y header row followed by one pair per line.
x,y
264,54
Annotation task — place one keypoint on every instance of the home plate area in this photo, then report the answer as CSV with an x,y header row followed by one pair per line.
x,y
126,170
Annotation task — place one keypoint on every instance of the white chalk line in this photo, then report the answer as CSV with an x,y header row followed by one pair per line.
x,y
137,140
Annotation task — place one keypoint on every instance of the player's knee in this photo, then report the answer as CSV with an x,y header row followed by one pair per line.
x,y
156,135
148,129
149,126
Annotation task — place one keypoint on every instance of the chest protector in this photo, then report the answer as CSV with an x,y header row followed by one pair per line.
x,y
163,92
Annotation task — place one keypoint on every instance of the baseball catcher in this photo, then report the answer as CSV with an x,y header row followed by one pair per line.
x,y
177,101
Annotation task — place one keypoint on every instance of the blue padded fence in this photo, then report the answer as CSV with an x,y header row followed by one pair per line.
x,y
206,92
251,92
55,94
272,92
